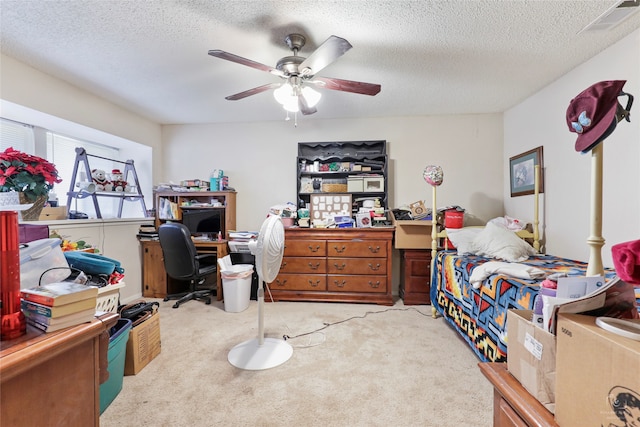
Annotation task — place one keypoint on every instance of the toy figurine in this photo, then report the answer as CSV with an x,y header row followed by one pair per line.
x,y
99,177
119,184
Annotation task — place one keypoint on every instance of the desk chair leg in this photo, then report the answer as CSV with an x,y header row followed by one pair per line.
x,y
200,295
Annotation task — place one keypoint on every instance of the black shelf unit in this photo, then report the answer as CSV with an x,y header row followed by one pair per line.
x,y
344,160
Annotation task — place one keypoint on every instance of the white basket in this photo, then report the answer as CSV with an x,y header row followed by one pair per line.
x,y
108,297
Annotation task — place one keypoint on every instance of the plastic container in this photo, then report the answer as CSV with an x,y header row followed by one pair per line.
x,y
39,256
453,218
236,286
118,337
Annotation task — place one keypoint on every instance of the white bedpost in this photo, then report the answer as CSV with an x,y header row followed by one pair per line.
x,y
536,209
595,240
434,242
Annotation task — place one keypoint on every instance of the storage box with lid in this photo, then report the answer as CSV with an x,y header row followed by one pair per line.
x,y
373,184
355,184
40,256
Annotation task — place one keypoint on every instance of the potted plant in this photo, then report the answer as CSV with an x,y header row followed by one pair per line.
x,y
32,177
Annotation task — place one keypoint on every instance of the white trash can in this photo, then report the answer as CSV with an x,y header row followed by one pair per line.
x,y
236,285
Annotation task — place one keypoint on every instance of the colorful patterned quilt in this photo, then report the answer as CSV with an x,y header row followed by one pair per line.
x,y
480,315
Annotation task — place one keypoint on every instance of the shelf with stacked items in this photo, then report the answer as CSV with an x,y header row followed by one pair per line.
x,y
171,206
358,168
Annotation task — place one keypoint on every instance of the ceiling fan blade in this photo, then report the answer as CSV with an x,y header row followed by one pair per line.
x,y
254,91
304,107
346,85
244,61
332,48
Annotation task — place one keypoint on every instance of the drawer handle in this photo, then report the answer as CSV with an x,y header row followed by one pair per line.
x,y
374,285
376,268
284,264
314,250
314,284
374,250
314,267
281,283
340,284
335,264
340,250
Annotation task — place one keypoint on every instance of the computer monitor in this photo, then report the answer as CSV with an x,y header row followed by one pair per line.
x,y
204,221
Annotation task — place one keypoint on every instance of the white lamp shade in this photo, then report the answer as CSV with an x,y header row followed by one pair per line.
x,y
312,96
283,92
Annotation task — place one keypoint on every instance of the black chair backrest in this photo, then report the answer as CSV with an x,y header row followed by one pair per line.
x,y
178,250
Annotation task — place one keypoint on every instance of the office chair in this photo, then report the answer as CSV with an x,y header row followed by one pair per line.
x,y
182,262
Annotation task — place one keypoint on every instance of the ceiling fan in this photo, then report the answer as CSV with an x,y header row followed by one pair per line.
x,y
300,73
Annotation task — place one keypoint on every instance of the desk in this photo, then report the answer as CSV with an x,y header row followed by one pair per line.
x,y
54,378
512,404
221,249
156,283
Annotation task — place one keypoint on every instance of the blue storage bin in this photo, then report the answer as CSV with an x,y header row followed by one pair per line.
x,y
118,337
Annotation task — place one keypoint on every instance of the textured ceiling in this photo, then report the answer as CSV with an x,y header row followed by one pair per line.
x,y
431,57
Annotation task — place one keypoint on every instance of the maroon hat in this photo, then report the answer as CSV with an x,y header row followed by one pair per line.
x,y
592,114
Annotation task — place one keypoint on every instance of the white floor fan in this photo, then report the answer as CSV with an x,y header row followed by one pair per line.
x,y
264,353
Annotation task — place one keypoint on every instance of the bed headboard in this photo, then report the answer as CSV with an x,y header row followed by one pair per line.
x,y
533,235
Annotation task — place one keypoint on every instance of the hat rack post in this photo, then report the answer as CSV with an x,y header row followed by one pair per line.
x,y
595,240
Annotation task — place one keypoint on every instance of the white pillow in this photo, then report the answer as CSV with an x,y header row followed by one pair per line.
x,y
495,241
462,238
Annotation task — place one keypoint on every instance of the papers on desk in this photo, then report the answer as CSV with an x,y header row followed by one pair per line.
x,y
243,236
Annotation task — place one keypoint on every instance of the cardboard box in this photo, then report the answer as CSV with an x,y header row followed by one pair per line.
x,y
143,345
411,234
597,371
532,356
49,214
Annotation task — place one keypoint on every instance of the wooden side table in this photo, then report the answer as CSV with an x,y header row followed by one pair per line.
x,y
54,378
513,406
415,276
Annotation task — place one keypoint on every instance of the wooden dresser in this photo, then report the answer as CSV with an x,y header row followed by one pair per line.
x,y
344,264
513,406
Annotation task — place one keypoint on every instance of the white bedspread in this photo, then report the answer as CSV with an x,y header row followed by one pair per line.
x,y
513,269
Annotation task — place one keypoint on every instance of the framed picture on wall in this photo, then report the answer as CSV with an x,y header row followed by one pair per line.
x,y
522,172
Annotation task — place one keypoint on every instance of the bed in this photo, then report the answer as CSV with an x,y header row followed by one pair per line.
x,y
478,310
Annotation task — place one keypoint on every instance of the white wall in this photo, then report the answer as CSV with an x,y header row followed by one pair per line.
x,y
540,120
260,158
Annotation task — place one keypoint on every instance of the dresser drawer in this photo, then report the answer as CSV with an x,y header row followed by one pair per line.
x,y
363,248
305,248
356,266
299,282
310,265
345,283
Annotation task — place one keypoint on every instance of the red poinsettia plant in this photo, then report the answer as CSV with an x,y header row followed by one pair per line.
x,y
31,175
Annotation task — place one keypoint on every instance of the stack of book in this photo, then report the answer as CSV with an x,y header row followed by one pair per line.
x,y
55,306
147,232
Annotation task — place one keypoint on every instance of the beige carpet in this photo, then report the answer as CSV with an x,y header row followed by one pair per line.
x,y
398,367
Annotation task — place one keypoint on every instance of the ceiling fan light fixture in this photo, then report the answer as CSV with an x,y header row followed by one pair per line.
x,y
311,95
283,93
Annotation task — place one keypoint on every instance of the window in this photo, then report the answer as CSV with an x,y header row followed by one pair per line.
x,y
17,135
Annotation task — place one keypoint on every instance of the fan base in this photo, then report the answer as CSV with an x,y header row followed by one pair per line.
x,y
252,356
